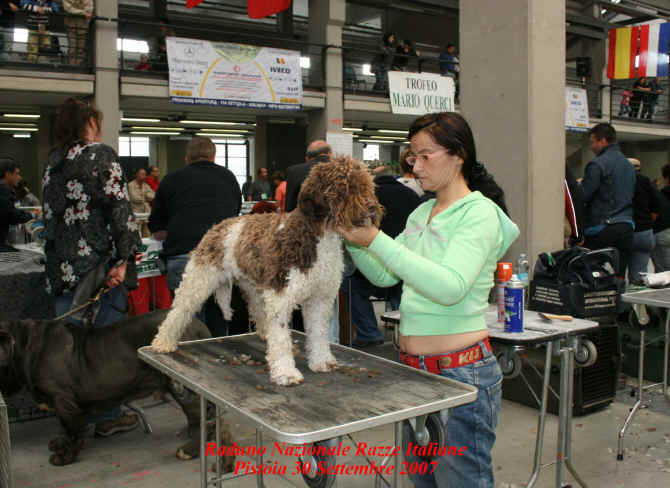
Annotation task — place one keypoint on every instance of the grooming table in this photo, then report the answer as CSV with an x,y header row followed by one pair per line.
x,y
367,392
560,338
656,298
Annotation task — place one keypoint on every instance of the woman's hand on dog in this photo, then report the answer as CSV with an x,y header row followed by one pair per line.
x,y
360,236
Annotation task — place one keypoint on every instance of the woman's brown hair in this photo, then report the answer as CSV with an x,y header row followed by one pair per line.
x,y
72,119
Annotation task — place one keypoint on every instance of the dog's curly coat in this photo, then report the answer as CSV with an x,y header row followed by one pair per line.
x,y
280,262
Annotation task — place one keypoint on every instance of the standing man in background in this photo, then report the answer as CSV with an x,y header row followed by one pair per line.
x,y
317,152
261,188
188,203
77,22
7,10
10,176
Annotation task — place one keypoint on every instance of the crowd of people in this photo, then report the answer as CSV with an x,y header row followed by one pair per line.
x,y
644,92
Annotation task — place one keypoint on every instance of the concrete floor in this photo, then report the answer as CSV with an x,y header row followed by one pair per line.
x,y
146,461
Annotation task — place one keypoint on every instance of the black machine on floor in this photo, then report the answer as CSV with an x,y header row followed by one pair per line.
x,y
594,386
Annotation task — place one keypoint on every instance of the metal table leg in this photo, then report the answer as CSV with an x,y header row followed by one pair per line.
x,y
219,482
562,414
397,436
541,419
568,427
203,441
640,389
666,356
259,458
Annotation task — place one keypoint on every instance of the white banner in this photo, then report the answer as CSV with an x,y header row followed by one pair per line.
x,y
146,258
233,75
420,93
341,143
576,109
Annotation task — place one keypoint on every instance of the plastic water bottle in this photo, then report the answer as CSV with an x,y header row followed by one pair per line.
x,y
522,269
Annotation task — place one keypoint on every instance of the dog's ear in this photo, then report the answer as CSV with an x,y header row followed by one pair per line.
x,y
6,349
312,204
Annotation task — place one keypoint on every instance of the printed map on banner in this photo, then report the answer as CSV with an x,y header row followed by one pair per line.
x,y
576,109
233,75
420,93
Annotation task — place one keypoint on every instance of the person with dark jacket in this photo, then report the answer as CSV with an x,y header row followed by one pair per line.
x,y
383,62
317,152
398,201
188,203
660,256
607,190
404,52
7,9
10,176
640,89
647,202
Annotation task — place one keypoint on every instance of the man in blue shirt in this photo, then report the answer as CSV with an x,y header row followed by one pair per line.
x,y
607,190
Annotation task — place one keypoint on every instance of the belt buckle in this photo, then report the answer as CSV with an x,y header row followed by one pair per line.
x,y
445,362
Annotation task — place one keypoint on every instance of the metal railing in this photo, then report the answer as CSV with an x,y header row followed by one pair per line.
x,y
63,44
154,62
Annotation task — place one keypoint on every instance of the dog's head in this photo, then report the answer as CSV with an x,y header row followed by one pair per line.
x,y
342,193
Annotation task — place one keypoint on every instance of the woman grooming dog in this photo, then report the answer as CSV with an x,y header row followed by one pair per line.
x,y
446,258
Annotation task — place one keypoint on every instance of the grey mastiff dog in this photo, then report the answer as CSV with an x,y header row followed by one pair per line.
x,y
77,371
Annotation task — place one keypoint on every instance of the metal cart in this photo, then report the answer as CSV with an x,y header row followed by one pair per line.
x,y
560,338
657,298
365,392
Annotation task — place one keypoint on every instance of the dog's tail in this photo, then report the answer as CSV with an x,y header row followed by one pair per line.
x,y
223,296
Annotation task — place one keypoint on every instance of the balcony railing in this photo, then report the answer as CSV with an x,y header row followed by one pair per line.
x,y
639,106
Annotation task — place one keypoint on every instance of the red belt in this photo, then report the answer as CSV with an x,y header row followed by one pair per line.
x,y
435,363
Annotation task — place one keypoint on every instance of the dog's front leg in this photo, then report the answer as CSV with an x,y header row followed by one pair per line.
x,y
279,346
316,313
66,447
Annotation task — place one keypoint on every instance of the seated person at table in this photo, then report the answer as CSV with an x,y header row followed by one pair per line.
x,y
10,176
446,257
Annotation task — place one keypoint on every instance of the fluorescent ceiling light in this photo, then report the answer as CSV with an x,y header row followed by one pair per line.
x,y
23,116
305,62
390,131
224,130
209,122
388,137
24,129
21,136
15,124
214,134
133,119
142,133
352,129
156,128
376,141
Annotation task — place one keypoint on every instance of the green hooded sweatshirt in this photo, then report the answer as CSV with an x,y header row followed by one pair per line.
x,y
447,265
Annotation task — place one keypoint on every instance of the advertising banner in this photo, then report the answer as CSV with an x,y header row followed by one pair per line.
x,y
420,93
233,75
576,109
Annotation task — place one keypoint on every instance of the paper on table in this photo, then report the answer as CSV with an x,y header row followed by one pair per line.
x,y
658,279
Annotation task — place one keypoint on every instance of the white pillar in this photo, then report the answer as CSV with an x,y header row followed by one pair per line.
x,y
512,56
107,71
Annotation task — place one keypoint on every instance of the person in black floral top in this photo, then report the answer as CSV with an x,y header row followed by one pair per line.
x,y
88,224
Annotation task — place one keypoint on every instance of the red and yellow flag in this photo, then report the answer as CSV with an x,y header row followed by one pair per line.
x,y
622,52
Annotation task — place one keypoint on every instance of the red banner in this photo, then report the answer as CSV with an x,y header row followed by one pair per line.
x,y
258,9
193,3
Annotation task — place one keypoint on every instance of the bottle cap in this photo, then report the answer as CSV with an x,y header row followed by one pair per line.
x,y
504,271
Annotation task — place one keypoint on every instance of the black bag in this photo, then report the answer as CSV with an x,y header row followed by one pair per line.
x,y
576,281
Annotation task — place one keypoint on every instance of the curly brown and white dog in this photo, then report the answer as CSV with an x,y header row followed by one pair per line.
x,y
280,262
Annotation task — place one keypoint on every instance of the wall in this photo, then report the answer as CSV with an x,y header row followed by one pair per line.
x,y
175,155
286,145
652,154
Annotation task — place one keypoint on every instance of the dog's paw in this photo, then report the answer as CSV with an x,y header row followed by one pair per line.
x,y
163,346
287,377
323,366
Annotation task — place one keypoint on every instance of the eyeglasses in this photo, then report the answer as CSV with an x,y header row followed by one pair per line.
x,y
424,157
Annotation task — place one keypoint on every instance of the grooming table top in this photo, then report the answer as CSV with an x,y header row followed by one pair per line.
x,y
367,391
535,330
659,297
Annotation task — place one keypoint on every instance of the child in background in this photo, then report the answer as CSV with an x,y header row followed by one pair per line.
x,y
624,108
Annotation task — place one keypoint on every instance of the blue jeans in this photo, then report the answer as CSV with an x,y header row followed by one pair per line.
x,y
362,312
643,245
472,425
112,305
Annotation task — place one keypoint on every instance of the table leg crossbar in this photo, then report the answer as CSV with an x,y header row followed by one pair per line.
x,y
640,381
